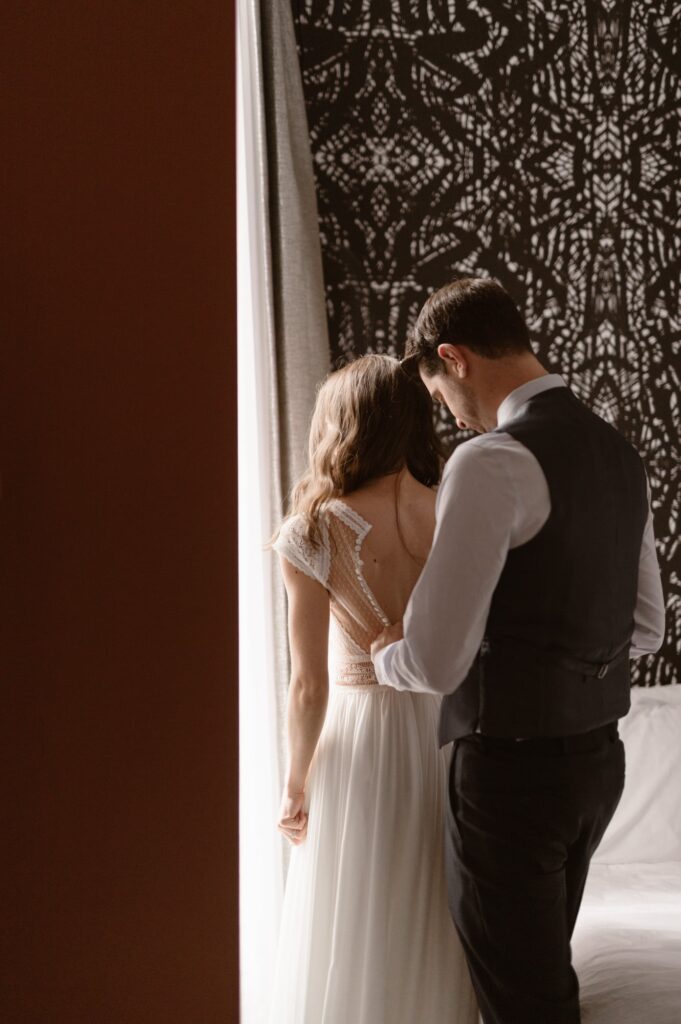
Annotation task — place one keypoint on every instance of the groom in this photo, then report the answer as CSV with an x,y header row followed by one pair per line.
x,y
541,584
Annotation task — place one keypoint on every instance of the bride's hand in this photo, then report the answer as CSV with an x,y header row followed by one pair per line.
x,y
389,635
292,818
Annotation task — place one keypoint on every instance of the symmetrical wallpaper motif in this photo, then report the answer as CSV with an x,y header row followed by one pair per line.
x,y
535,141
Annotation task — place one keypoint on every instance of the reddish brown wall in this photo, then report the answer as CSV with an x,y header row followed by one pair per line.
x,y
118,562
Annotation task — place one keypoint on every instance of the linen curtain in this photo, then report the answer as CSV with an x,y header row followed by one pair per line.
x,y
302,340
283,355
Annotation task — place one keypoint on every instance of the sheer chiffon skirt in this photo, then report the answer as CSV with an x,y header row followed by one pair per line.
x,y
366,936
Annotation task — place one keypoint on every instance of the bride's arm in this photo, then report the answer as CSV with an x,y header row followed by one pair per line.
x,y
308,629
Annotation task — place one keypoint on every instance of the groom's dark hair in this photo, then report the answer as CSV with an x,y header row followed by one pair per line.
x,y
473,311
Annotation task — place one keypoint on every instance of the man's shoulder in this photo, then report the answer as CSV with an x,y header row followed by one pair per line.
x,y
494,448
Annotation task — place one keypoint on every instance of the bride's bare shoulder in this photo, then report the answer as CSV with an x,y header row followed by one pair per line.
x,y
372,501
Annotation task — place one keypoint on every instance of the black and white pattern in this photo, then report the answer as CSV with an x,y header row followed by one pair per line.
x,y
537,142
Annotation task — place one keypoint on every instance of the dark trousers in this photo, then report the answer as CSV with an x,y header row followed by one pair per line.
x,y
523,821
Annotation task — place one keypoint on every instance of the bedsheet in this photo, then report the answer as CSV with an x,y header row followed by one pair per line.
x,y
627,944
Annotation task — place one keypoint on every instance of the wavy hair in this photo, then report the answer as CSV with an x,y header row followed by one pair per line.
x,y
371,418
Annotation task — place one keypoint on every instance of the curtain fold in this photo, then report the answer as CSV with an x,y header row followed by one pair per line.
x,y
302,341
283,355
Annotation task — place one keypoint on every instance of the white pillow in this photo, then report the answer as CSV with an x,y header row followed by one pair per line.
x,y
646,827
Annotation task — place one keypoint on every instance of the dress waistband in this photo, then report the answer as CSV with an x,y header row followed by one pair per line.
x,y
355,674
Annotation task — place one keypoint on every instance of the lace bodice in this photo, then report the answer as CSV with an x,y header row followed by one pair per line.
x,y
356,616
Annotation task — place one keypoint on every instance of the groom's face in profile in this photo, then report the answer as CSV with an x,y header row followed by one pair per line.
x,y
449,388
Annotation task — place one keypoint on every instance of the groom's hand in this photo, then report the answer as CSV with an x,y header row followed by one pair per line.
x,y
388,636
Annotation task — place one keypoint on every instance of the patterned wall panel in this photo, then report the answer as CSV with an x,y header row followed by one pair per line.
x,y
538,142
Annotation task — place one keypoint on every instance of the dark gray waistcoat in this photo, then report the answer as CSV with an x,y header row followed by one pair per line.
x,y
554,659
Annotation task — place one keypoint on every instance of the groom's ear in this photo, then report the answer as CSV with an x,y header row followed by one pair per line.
x,y
455,359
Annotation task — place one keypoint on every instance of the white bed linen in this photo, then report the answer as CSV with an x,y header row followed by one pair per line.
x,y
627,944
646,826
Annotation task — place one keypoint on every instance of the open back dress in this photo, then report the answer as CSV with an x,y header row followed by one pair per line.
x,y
366,935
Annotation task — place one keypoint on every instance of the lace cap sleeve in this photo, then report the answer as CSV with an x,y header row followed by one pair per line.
x,y
293,544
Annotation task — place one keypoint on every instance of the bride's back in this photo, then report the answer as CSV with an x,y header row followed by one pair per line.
x,y
373,446
401,513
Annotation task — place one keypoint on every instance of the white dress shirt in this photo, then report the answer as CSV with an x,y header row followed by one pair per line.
x,y
493,496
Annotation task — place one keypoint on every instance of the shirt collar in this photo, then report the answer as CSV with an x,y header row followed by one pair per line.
x,y
513,403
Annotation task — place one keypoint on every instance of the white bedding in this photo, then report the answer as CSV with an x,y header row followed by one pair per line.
x,y
627,944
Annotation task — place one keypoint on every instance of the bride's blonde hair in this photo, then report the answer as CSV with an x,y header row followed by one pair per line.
x,y
371,418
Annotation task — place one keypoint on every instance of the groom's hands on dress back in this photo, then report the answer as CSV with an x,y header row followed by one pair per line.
x,y
389,636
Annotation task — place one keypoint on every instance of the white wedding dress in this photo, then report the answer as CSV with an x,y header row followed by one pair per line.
x,y
366,936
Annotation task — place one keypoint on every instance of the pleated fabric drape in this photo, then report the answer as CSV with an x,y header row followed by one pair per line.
x,y
294,336
283,356
300,322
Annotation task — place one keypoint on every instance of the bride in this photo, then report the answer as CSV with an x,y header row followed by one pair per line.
x,y
366,936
